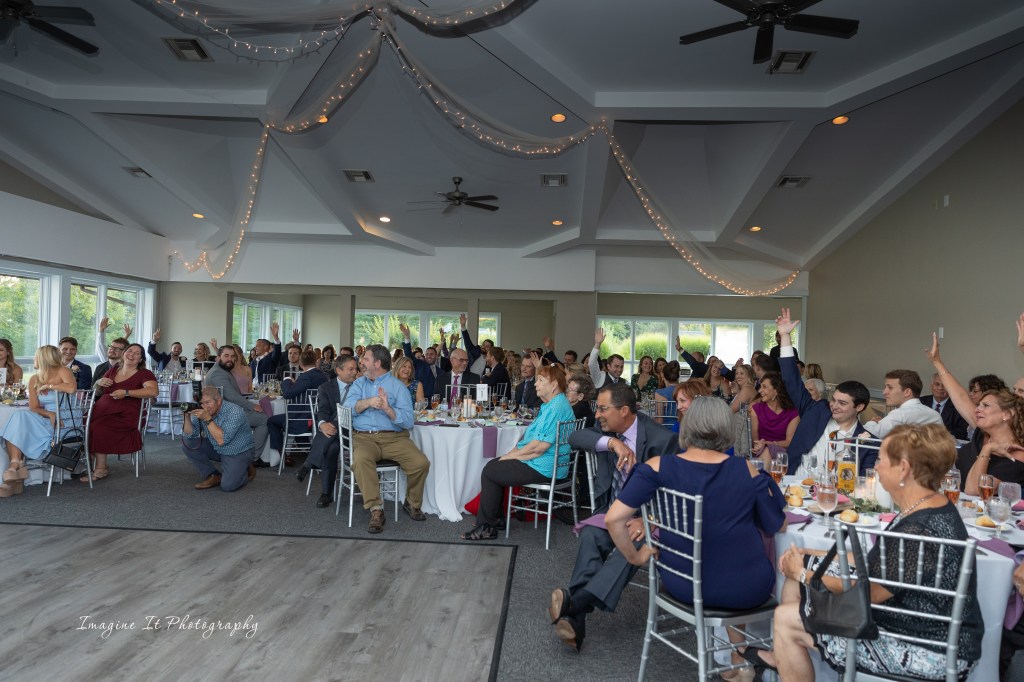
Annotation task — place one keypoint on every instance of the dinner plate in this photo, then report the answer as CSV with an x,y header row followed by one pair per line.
x,y
815,509
865,521
974,523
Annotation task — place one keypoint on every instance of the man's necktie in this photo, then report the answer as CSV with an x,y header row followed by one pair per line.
x,y
345,395
616,472
938,407
455,388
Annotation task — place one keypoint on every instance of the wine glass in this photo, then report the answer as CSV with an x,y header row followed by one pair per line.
x,y
811,463
435,401
951,487
1010,492
499,410
779,466
827,497
986,487
998,509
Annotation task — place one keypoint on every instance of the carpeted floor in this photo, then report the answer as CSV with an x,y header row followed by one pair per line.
x,y
163,498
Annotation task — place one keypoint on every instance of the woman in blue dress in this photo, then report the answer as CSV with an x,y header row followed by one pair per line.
x,y
405,371
28,432
740,503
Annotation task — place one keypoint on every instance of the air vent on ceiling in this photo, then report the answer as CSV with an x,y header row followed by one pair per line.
x,y
187,50
554,180
358,176
789,62
137,172
793,181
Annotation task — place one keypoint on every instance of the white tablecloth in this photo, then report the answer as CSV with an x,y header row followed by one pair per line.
x,y
994,584
456,460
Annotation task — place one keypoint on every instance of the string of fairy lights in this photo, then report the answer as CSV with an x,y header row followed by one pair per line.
x,y
495,135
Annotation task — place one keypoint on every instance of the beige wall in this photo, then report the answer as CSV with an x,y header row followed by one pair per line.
x,y
918,266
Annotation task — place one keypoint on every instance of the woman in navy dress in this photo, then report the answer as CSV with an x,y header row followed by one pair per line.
x,y
740,503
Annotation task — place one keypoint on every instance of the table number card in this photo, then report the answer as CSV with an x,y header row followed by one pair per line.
x,y
482,391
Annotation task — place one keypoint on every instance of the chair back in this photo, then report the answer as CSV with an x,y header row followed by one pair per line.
x,y
664,412
500,390
345,433
672,514
563,451
904,559
144,406
164,393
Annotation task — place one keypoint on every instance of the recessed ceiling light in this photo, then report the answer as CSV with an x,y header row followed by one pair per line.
x,y
198,216
556,222
755,228
840,120
558,118
322,119
385,219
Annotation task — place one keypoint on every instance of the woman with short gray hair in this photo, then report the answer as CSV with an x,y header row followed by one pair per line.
x,y
740,503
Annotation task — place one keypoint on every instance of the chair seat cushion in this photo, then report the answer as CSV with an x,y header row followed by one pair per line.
x,y
721,613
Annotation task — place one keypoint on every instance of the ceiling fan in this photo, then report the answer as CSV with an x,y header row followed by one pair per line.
x,y
767,15
40,17
457,198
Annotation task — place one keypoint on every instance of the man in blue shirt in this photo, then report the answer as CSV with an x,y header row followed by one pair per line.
x,y
381,420
224,436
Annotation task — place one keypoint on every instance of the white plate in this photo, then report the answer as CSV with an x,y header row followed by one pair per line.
x,y
865,521
974,524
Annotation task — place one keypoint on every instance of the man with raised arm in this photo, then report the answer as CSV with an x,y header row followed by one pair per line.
x,y
267,356
820,421
172,361
430,367
698,368
616,363
477,354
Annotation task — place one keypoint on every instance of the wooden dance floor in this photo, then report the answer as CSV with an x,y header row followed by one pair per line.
x,y
88,603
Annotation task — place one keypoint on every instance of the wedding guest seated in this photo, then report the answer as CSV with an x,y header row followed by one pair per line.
x,y
172,361
219,432
114,427
940,401
82,372
291,366
14,371
744,390
763,364
28,432
427,368
326,446
309,378
773,419
476,353
817,389
645,380
267,356
532,460
327,357
497,375
911,466
902,391
526,391
579,392
698,368
201,356
719,378
114,352
403,371
1000,419
242,372
667,394
683,396
813,371
611,373
448,383
569,357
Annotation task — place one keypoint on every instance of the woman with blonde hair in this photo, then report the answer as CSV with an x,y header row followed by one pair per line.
x,y
405,371
242,372
28,432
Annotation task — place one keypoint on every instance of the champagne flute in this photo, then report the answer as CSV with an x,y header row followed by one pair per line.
x,y
827,498
951,487
998,509
986,487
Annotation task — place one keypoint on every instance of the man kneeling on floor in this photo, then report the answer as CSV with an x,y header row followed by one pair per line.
x,y
219,432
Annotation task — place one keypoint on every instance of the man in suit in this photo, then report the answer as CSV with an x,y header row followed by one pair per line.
x,y
309,378
292,365
115,350
622,439
81,371
268,356
458,376
323,453
940,402
171,361
820,422
429,367
496,375
220,376
526,391
477,354
616,363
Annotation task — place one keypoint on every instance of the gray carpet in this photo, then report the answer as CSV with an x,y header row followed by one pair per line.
x,y
163,498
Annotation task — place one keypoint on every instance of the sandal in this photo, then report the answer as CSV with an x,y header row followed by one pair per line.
x,y
97,474
480,532
12,488
751,655
16,472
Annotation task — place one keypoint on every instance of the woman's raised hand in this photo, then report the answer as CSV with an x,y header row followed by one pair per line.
x,y
933,352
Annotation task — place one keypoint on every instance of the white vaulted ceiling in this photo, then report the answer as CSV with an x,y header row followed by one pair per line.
x,y
709,132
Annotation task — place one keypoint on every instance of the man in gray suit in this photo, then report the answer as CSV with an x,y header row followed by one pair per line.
x,y
621,439
221,377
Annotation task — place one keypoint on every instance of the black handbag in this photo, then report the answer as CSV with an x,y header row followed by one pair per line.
x,y
843,614
66,449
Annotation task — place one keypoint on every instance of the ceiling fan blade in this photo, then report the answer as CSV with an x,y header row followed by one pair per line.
x,y
477,204
763,46
62,36
725,29
822,26
449,208
741,6
801,6
428,201
63,15
6,26
482,197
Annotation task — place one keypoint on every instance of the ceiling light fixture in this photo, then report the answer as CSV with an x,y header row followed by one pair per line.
x,y
755,228
385,219
322,119
840,120
198,216
558,118
556,222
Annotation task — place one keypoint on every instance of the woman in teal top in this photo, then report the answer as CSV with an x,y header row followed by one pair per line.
x,y
533,458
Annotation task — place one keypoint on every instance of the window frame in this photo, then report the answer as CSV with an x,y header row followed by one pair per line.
x,y
425,316
268,309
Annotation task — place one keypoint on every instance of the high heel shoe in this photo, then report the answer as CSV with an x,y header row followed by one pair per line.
x,y
741,675
12,488
16,472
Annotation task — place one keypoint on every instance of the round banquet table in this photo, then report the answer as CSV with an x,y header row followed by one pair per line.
x,y
456,457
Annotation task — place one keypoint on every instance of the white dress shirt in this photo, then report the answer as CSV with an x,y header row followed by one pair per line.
x,y
913,411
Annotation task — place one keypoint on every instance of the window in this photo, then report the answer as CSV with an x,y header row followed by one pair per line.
x,y
382,326
488,328
20,299
251,320
633,339
83,323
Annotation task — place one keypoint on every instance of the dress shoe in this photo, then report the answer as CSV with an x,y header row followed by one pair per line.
x,y
302,473
377,521
325,501
289,461
571,631
211,481
260,464
252,471
415,513
560,603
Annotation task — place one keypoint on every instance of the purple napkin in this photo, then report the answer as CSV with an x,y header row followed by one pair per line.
x,y
268,406
174,393
596,520
798,519
436,422
490,441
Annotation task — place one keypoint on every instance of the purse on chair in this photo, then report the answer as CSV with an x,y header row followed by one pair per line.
x,y
65,449
843,614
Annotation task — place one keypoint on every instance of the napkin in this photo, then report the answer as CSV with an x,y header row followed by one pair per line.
x,y
268,406
490,441
436,422
886,517
1019,506
798,519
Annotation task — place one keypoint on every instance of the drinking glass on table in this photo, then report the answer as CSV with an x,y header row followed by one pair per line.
x,y
872,477
828,497
998,509
951,487
435,401
986,487
780,465
1010,492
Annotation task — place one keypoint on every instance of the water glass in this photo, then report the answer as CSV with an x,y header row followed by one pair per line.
x,y
998,509
828,499
1010,492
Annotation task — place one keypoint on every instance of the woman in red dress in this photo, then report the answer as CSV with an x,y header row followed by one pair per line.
x,y
114,429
